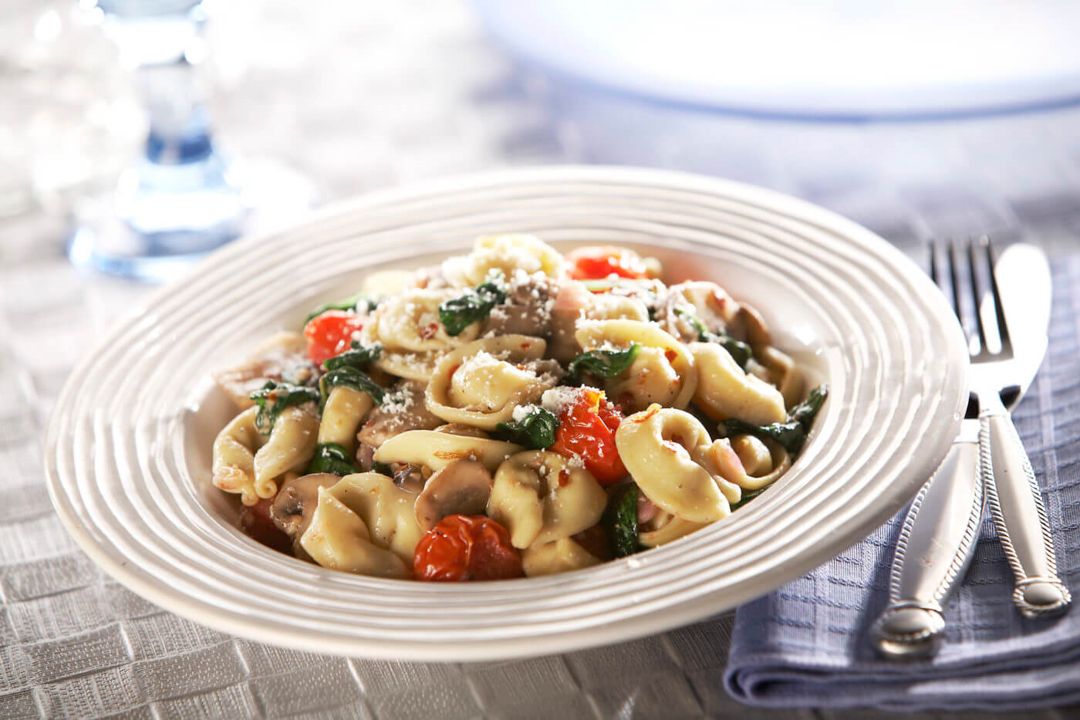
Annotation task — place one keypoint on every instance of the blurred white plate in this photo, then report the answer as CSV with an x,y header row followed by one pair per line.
x,y
128,447
834,61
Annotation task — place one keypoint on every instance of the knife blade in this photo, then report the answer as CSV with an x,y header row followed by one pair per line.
x,y
1012,489
1023,277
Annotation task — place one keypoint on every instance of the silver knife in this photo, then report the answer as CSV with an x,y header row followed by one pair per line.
x,y
938,536
1015,499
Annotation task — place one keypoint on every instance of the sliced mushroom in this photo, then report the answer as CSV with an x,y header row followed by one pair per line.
x,y
296,501
527,310
750,327
282,357
778,369
365,456
461,488
403,410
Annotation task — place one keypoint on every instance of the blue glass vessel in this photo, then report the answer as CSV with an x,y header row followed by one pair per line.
x,y
183,198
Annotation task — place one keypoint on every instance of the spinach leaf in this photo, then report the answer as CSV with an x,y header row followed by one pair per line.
x,y
359,357
273,397
382,468
459,313
807,410
740,352
349,376
620,520
791,435
357,303
535,431
332,458
604,363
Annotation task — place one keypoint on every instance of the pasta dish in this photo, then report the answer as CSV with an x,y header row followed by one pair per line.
x,y
511,412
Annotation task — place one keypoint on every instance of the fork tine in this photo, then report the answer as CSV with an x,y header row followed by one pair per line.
x,y
977,293
952,258
999,307
935,268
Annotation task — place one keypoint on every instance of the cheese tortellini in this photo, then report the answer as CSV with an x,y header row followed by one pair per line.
x,y
246,463
540,498
385,508
725,391
481,383
505,255
509,412
345,408
559,556
663,371
407,328
436,450
672,458
339,539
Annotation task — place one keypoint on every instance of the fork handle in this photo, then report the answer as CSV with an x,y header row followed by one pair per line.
x,y
935,546
1017,509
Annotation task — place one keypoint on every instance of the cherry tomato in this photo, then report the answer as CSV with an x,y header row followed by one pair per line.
x,y
587,430
600,261
330,334
466,547
255,521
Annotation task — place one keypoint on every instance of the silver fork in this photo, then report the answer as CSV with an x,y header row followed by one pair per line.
x,y
1011,488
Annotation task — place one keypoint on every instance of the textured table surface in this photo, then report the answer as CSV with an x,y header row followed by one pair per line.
x,y
73,643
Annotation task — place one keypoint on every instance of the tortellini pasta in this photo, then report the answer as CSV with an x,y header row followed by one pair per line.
x,y
558,556
341,416
663,371
508,413
616,307
665,528
540,498
692,305
436,450
670,455
725,391
290,447
234,458
760,464
412,338
385,508
481,383
247,464
339,539
503,254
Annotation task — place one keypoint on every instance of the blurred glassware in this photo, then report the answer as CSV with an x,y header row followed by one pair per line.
x,y
183,197
67,116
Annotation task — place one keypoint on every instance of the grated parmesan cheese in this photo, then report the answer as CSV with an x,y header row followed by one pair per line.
x,y
559,398
523,411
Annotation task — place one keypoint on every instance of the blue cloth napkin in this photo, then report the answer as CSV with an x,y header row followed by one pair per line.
x,y
807,644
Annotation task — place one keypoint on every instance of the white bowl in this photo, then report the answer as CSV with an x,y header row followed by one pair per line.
x,y
128,447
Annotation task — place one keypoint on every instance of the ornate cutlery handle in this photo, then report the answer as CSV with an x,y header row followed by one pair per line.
x,y
1019,516
934,549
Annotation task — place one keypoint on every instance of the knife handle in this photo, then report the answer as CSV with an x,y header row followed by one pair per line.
x,y
1019,516
934,549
